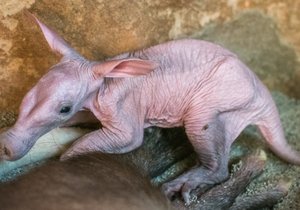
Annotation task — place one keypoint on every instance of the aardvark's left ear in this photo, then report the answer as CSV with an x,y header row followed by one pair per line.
x,y
56,42
123,68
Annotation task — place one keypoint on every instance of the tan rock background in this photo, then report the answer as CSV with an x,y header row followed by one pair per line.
x,y
264,33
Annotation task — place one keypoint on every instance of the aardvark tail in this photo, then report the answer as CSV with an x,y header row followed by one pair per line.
x,y
271,129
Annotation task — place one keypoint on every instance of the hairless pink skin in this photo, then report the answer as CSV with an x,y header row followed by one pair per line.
x,y
190,83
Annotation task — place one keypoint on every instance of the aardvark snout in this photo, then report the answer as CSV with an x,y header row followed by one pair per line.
x,y
5,151
10,148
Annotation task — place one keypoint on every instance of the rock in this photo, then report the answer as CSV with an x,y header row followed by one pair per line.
x,y
101,28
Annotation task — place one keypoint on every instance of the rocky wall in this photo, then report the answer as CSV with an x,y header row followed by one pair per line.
x,y
264,33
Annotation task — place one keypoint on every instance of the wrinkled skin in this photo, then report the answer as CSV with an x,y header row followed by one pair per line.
x,y
190,83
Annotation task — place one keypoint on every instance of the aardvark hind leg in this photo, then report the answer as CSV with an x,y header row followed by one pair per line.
x,y
210,144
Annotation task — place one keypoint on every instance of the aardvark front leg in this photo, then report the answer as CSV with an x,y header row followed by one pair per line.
x,y
107,141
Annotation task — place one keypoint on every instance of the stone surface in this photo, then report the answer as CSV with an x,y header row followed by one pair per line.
x,y
102,28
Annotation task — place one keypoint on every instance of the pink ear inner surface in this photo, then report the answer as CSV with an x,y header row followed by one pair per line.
x,y
131,68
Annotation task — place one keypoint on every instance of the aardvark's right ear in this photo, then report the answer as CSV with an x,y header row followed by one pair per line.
x,y
130,67
56,43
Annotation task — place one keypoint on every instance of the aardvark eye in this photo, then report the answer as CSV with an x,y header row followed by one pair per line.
x,y
65,110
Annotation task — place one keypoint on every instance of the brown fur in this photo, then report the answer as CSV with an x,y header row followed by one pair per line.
x,y
90,182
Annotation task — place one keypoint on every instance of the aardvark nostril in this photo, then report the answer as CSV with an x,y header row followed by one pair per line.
x,y
6,151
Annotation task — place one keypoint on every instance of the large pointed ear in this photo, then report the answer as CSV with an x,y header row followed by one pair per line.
x,y
123,68
56,43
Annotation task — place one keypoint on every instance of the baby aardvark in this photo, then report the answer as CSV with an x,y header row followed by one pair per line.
x,y
190,83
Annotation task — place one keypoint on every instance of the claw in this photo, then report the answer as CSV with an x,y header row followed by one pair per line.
x,y
65,156
186,193
186,198
171,188
71,152
168,192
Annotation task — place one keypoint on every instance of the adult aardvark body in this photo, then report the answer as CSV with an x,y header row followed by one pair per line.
x,y
190,83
